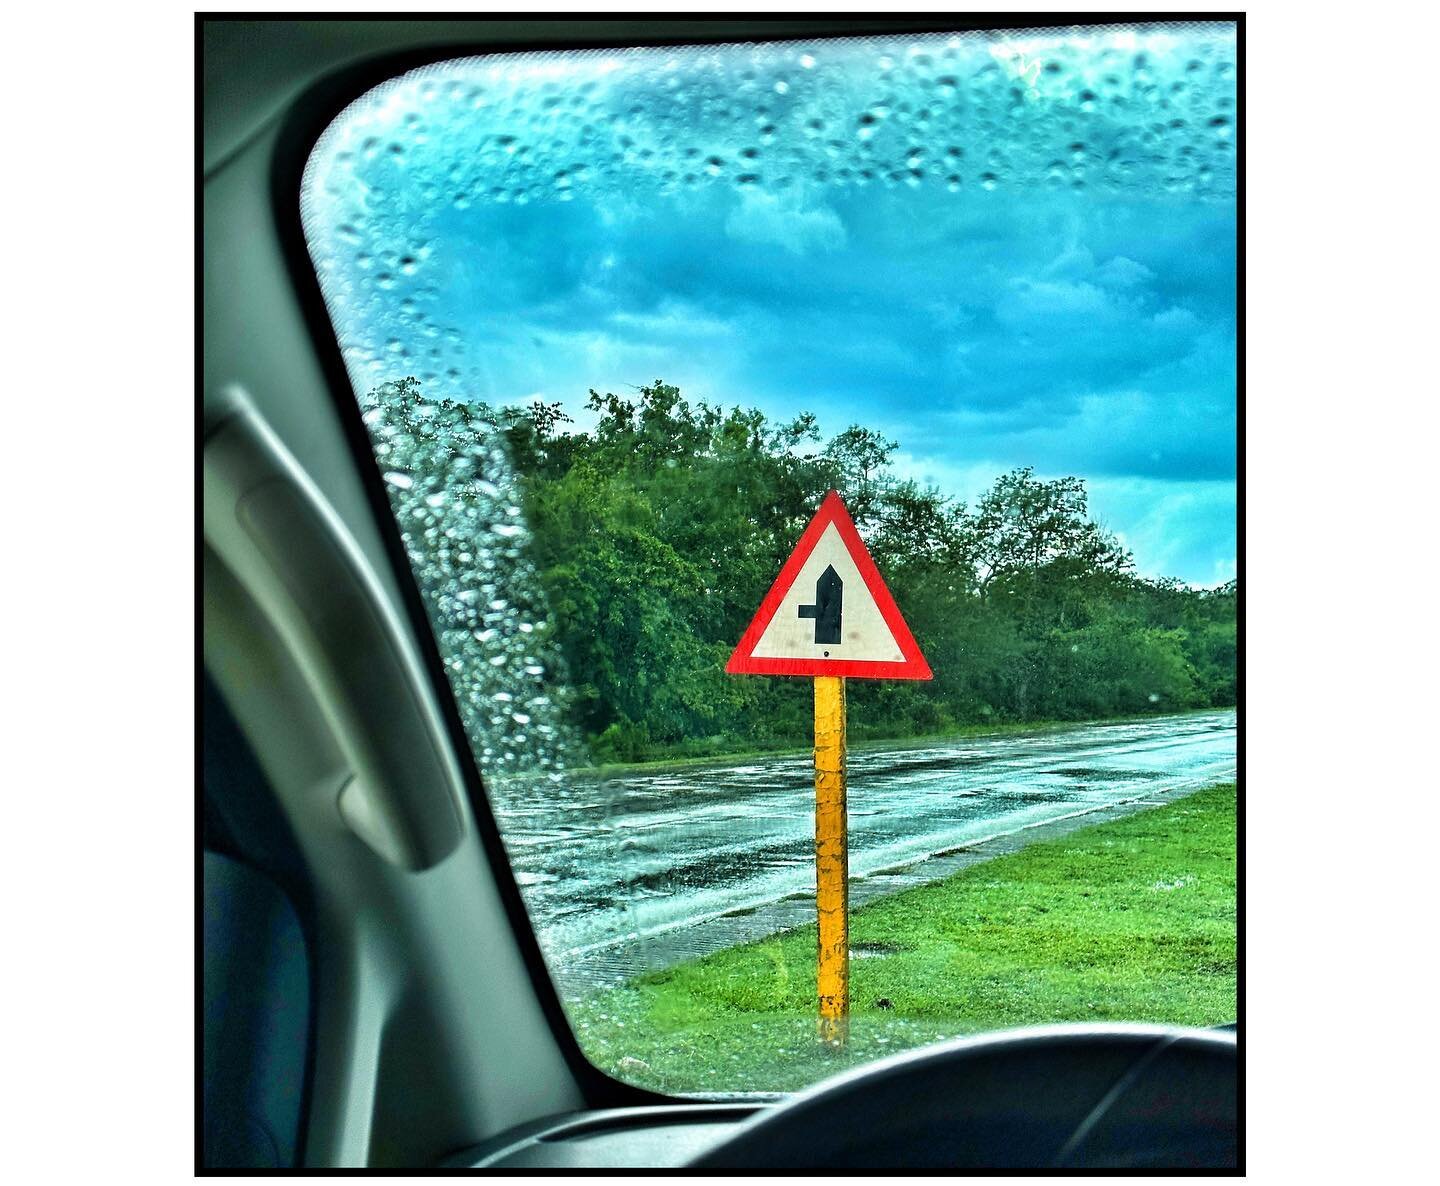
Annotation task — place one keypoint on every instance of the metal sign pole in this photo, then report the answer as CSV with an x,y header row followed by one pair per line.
x,y
858,632
832,861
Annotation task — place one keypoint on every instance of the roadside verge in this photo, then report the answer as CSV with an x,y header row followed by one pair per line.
x,y
1128,920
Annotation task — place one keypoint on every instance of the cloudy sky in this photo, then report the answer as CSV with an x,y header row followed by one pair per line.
x,y
985,309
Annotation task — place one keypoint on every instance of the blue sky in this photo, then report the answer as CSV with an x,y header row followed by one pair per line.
x,y
1025,285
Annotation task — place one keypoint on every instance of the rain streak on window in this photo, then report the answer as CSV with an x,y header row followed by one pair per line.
x,y
417,172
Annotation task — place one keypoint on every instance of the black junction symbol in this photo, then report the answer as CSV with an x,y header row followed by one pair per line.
x,y
826,610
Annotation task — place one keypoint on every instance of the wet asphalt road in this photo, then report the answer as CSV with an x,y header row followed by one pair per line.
x,y
644,869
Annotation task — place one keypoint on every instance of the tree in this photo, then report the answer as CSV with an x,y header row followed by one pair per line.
x,y
1024,524
653,537
859,457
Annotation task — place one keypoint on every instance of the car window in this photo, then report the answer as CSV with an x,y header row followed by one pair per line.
x,y
619,321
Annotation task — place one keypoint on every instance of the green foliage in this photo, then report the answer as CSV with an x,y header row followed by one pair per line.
x,y
656,534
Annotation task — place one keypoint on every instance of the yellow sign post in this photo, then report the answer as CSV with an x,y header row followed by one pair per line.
x,y
832,861
830,616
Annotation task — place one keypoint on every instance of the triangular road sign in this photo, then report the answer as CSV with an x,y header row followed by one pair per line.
x,y
829,612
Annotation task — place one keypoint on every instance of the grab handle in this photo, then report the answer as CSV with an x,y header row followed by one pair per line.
x,y
286,545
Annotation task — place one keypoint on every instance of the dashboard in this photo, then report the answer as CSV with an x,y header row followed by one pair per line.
x,y
1046,1097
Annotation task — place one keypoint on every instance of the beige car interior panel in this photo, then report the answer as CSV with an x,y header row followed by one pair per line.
x,y
421,984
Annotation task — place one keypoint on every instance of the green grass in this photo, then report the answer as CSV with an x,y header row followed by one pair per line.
x,y
1132,920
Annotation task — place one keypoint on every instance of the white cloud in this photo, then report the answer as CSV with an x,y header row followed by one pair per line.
x,y
1123,272
1168,525
671,322
966,481
1177,320
767,219
1029,299
1077,262
1171,528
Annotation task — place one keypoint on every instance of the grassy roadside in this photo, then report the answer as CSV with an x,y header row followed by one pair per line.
x,y
679,759
1130,920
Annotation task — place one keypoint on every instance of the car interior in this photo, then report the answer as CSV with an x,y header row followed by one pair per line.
x,y
374,993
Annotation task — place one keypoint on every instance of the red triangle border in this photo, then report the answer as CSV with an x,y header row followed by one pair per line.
x,y
913,666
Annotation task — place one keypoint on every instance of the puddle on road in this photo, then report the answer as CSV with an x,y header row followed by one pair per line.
x,y
728,866
736,843
526,878
860,951
1031,795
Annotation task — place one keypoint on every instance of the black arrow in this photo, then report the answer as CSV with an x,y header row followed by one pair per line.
x,y
829,590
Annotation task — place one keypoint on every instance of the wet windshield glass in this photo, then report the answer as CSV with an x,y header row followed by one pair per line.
x,y
618,321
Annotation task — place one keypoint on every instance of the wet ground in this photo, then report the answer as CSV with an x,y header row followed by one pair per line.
x,y
643,870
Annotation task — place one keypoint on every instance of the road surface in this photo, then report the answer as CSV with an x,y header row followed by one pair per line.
x,y
642,870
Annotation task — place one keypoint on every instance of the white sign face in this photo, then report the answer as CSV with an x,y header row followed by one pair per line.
x,y
810,610
829,613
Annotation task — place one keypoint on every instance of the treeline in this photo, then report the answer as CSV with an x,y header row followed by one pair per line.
x,y
656,535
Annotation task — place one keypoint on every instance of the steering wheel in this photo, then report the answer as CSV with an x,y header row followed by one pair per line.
x,y
1060,1096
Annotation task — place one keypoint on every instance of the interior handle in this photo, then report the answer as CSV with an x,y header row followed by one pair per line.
x,y
286,545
